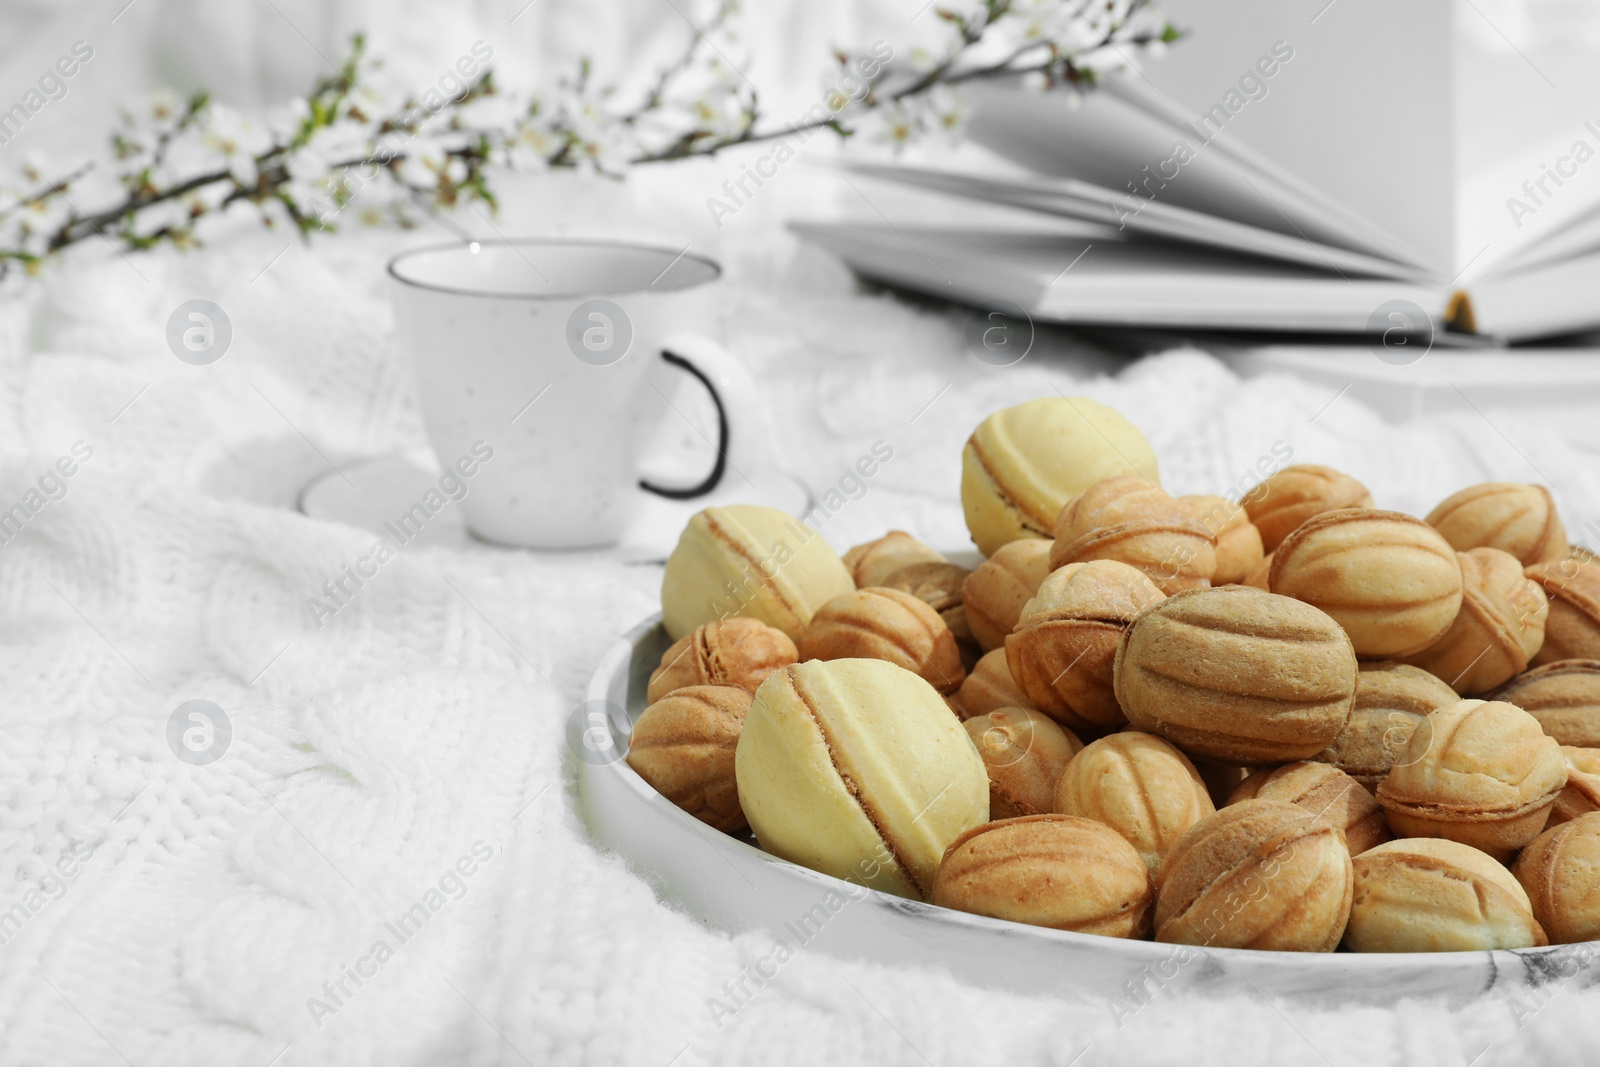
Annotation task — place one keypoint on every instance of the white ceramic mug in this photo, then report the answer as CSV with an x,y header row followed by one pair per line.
x,y
545,351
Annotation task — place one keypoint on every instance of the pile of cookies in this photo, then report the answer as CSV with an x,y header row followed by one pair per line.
x,y
1294,721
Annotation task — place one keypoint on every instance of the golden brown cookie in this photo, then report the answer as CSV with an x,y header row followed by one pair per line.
x,y
1024,752
1238,542
683,745
1065,642
1280,504
1564,696
1260,874
1581,794
734,651
1390,580
1497,631
1132,521
886,624
1517,519
1391,699
939,586
1432,895
1236,675
872,563
1328,794
1140,786
1479,772
1561,872
988,687
1260,575
1572,630
1048,870
1002,584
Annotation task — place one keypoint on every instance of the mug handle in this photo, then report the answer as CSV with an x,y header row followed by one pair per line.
x,y
725,379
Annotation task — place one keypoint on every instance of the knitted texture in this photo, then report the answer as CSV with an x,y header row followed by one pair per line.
x,y
408,752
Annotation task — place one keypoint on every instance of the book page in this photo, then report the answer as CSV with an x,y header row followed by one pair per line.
x,y
1105,141
1123,139
1528,118
1071,198
1130,139
1363,111
1580,237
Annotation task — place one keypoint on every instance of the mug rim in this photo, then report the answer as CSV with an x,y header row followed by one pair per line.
x,y
585,242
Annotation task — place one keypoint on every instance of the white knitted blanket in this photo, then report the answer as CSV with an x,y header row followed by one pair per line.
x,y
385,867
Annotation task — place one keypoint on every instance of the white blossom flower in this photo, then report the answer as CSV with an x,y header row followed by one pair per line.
x,y
340,143
242,168
531,145
1107,59
604,154
587,119
313,200
236,139
920,60
47,215
487,114
948,114
305,164
164,106
34,168
897,126
423,161
283,122
362,104
207,199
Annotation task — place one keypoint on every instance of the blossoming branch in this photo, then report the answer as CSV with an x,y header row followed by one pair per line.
x,y
347,144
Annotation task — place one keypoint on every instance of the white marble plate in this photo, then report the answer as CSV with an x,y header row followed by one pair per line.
x,y
732,885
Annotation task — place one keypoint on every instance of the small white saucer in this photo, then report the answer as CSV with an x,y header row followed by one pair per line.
x,y
371,494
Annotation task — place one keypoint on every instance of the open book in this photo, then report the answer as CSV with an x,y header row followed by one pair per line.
x,y
1132,210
